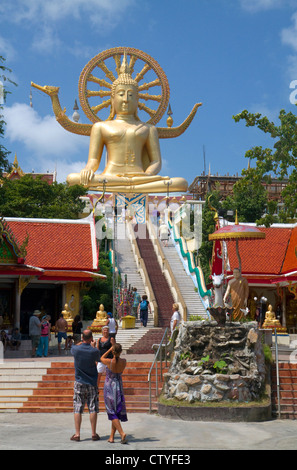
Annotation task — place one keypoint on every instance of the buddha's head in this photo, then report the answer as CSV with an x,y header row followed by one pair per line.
x,y
124,92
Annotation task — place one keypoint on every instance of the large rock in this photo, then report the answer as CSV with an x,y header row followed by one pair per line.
x,y
213,363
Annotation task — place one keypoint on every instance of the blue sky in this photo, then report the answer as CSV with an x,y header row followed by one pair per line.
x,y
230,55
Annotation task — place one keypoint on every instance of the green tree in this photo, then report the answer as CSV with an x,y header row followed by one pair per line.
x,y
280,161
249,198
4,153
99,291
29,197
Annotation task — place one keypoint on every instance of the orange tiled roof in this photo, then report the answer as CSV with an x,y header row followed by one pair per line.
x,y
290,262
57,244
265,256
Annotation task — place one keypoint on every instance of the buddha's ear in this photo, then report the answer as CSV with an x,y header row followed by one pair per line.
x,y
112,112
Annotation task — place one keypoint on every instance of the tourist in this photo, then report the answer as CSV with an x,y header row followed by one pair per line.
x,y
136,302
35,330
164,233
113,391
77,327
104,344
86,355
15,340
43,343
61,330
143,309
48,317
175,319
112,325
4,339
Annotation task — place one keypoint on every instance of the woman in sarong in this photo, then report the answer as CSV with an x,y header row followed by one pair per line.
x,y
113,391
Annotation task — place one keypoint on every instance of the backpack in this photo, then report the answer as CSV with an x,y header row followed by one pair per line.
x,y
143,305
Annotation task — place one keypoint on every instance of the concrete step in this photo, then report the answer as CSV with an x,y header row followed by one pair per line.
x,y
49,387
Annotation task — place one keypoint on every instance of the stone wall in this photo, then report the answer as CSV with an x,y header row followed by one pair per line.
x,y
212,363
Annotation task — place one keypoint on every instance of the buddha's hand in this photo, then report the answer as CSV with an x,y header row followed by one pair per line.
x,y
86,176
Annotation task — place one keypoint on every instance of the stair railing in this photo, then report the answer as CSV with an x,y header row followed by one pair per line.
x,y
143,272
277,374
158,355
166,268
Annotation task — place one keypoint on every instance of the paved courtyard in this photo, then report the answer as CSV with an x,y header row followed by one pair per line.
x,y
149,432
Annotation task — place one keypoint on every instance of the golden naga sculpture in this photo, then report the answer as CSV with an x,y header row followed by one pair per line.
x,y
133,150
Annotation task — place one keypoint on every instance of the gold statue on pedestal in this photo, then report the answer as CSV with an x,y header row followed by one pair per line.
x,y
272,322
133,151
100,320
68,317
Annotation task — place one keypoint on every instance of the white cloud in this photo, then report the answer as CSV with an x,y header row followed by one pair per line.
x,y
254,6
56,11
45,141
46,18
6,49
289,35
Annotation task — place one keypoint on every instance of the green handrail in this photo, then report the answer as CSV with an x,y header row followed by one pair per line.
x,y
188,256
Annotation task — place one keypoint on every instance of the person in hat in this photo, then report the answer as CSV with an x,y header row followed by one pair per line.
x,y
112,325
35,330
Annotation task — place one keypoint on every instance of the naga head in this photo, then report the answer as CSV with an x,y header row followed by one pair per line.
x,y
49,90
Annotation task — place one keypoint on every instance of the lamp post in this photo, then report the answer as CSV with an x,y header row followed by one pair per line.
x,y
167,183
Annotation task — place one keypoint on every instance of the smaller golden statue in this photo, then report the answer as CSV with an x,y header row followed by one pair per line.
x,y
100,320
271,321
68,317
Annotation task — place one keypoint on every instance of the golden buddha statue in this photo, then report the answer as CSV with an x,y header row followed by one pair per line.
x,y
271,321
133,150
100,320
68,317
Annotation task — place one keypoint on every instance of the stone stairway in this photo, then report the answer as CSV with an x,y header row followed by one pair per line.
x,y
191,297
25,350
159,283
163,297
47,387
288,390
127,266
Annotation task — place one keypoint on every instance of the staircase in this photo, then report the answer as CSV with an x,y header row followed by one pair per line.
x,y
159,283
288,390
191,297
47,387
127,266
163,297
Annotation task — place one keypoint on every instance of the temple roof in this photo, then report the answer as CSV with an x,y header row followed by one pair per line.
x,y
58,244
270,258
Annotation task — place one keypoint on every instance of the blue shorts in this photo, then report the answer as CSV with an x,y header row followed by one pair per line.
x,y
62,334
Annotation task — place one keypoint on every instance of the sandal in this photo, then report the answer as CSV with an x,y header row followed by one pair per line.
x,y
96,437
75,438
124,440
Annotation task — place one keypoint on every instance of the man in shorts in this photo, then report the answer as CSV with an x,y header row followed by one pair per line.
x,y
61,329
86,355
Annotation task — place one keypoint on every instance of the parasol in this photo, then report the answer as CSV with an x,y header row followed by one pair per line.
x,y
235,233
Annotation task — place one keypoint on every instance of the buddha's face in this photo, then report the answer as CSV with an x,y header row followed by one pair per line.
x,y
125,100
